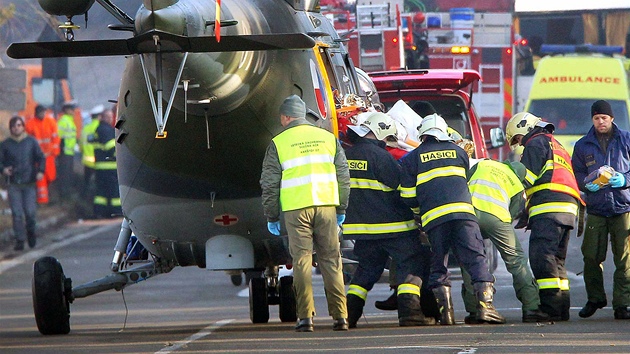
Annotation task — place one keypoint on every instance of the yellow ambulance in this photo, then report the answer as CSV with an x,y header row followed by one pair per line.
x,y
570,79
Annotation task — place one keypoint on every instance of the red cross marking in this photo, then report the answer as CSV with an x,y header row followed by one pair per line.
x,y
226,219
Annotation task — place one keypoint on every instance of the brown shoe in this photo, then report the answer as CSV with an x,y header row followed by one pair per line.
x,y
305,325
340,324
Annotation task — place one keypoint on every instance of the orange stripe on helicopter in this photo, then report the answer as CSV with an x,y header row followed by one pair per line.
x,y
217,21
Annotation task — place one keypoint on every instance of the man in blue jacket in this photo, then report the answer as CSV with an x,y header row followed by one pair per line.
x,y
608,210
22,163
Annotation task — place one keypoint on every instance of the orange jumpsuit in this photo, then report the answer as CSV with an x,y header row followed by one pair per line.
x,y
45,132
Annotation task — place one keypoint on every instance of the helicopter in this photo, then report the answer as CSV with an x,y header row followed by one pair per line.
x,y
197,107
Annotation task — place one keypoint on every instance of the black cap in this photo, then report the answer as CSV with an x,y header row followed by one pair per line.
x,y
601,107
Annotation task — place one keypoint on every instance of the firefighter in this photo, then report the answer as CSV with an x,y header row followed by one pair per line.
x,y
552,206
107,195
44,129
434,185
68,141
380,222
497,195
87,149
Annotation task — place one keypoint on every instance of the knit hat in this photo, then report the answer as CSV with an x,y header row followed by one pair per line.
x,y
601,107
293,106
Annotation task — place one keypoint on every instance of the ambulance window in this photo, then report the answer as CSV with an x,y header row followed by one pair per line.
x,y
573,116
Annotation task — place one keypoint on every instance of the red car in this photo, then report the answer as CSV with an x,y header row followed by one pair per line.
x,y
448,91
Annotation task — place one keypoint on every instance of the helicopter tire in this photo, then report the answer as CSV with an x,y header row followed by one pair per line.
x,y
51,307
287,307
258,302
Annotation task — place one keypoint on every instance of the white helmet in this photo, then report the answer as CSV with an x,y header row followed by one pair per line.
x,y
381,125
435,126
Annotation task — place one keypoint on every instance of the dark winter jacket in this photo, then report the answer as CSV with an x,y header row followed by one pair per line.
x,y
588,157
25,157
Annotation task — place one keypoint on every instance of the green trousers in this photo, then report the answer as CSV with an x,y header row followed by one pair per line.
x,y
504,239
594,249
316,228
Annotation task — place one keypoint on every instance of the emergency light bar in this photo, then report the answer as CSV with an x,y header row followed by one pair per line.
x,y
583,48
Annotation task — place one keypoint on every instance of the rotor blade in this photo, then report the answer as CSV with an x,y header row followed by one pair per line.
x,y
168,43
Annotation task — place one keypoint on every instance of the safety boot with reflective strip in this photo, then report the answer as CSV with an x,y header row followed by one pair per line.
x,y
355,300
409,309
445,304
485,309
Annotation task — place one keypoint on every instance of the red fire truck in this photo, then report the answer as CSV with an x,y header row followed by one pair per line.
x,y
384,39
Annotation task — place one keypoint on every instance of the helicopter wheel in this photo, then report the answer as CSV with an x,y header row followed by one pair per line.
x,y
258,302
50,304
287,308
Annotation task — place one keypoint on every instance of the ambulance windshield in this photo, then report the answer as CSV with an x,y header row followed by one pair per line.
x,y
573,116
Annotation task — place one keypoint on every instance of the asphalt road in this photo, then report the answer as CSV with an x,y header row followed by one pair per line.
x,y
191,310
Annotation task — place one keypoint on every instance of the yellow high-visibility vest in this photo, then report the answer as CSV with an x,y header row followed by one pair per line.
x,y
492,186
307,155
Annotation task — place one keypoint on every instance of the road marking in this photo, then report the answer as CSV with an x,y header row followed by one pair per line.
x,y
35,254
203,333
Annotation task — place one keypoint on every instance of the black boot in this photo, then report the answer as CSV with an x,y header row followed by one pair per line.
x,y
391,304
355,309
565,313
551,303
534,316
622,313
409,309
445,304
428,304
589,309
484,291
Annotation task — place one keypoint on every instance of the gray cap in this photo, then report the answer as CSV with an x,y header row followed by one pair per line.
x,y
293,106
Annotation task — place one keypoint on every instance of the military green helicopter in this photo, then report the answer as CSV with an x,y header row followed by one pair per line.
x,y
197,107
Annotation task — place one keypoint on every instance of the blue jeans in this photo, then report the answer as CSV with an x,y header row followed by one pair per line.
x,y
23,200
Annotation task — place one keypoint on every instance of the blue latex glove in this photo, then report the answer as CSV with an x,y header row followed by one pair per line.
x,y
340,219
274,227
617,180
592,187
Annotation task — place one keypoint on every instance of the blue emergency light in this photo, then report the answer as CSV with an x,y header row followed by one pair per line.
x,y
583,48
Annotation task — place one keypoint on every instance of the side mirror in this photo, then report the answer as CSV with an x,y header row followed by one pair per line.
x,y
497,137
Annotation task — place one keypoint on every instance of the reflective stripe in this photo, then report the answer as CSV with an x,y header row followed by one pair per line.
x,y
445,209
306,180
383,228
530,177
548,283
98,200
115,202
306,160
564,284
407,192
105,165
364,183
109,145
440,172
408,289
554,207
554,187
361,292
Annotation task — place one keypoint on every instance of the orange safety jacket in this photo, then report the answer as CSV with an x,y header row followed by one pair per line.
x,y
556,175
45,132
